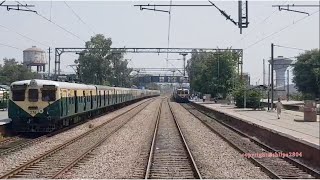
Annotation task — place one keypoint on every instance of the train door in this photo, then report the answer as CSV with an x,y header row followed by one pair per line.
x,y
97,95
62,104
91,99
115,97
104,98
100,98
108,98
85,101
75,102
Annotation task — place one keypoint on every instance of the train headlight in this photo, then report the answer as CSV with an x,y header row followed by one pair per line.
x,y
41,111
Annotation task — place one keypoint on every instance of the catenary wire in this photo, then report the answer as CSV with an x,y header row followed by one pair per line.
x,y
255,27
10,46
79,18
22,35
294,48
272,34
64,29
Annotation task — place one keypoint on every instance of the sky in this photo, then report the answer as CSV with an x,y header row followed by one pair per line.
x,y
74,22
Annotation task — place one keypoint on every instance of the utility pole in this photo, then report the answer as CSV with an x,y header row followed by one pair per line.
x,y
49,61
269,87
264,73
184,63
288,85
272,83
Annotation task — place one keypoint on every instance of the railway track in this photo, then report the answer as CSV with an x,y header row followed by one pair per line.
x,y
60,159
16,143
169,155
275,167
4,144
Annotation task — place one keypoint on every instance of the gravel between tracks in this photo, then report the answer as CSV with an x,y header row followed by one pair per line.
x,y
214,157
10,161
116,157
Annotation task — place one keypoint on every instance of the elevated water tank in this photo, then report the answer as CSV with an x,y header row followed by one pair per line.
x,y
34,57
280,66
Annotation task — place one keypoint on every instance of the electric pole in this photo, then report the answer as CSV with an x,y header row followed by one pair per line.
x,y
264,73
184,63
49,61
272,84
269,87
288,85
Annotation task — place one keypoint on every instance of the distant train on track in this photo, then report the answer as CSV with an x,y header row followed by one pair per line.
x,y
44,105
181,95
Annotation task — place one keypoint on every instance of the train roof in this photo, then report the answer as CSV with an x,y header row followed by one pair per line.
x,y
41,82
100,87
182,89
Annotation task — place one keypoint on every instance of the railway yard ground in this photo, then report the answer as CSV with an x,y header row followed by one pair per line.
x,y
158,138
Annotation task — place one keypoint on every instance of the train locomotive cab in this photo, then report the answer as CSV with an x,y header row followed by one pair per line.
x,y
181,95
32,106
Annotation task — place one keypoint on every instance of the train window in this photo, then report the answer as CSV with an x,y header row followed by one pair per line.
x,y
33,95
48,95
186,92
18,95
179,91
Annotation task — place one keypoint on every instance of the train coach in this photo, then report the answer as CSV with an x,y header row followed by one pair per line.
x,y
181,95
44,105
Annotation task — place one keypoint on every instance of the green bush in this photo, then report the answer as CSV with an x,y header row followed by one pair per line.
x,y
253,98
296,97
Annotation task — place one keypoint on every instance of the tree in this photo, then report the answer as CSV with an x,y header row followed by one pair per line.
x,y
252,96
101,65
212,73
306,74
13,71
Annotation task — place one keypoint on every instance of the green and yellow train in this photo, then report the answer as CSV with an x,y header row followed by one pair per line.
x,y
44,106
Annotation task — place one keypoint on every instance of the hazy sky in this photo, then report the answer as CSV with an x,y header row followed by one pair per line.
x,y
191,27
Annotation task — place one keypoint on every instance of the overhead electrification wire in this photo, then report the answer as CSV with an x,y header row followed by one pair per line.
x,y
294,48
255,27
79,18
272,34
24,36
56,25
10,46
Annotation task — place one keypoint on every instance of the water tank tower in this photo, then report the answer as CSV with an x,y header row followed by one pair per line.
x,y
34,57
280,66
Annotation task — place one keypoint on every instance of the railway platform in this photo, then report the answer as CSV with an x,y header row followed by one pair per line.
x,y
4,120
307,132
289,105
283,135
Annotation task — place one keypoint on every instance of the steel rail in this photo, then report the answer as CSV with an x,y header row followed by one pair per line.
x,y
153,142
26,143
73,163
269,171
193,163
24,166
21,145
289,159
